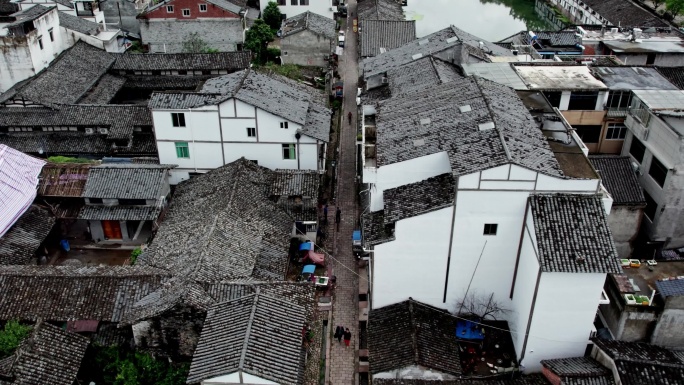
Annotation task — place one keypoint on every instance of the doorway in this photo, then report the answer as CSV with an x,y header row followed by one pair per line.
x,y
111,229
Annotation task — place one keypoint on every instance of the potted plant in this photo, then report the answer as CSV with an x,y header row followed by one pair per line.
x,y
630,299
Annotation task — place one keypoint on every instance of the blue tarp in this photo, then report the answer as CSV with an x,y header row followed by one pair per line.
x,y
309,269
356,235
467,330
306,246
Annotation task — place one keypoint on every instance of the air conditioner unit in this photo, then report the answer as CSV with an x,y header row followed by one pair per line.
x,y
102,131
385,81
89,130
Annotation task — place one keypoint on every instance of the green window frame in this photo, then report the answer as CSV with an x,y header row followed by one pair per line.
x,y
289,151
182,150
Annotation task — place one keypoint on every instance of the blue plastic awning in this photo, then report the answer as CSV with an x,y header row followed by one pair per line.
x,y
356,235
469,331
306,246
309,269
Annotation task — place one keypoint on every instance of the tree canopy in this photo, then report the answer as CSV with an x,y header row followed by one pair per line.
x,y
675,7
272,15
257,39
11,336
194,44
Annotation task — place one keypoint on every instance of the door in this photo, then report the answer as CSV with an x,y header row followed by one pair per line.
x,y
111,229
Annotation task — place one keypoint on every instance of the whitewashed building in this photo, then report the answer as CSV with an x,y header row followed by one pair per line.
x,y
469,192
291,8
85,9
270,120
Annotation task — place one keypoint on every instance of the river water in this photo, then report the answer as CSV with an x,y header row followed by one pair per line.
x,y
491,20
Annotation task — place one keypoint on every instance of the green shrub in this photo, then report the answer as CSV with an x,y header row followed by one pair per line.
x,y
135,254
11,336
66,159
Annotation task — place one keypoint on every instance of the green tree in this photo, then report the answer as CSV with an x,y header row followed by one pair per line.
x,y
11,336
272,15
194,44
257,39
675,7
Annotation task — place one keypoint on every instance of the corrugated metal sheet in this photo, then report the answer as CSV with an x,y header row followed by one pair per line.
x,y
18,181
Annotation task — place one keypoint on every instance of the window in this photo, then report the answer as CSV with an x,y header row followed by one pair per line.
x,y
251,131
553,98
583,100
203,7
588,134
650,58
178,119
281,2
169,9
616,131
619,99
182,150
303,2
294,2
651,207
132,202
182,72
52,35
490,228
289,151
186,13
95,201
657,171
40,42
637,150
283,124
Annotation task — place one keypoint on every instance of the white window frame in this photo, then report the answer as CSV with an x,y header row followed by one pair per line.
x,y
183,12
610,129
284,125
202,5
169,9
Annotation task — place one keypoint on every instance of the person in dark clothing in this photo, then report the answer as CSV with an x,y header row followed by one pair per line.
x,y
338,218
347,337
349,116
325,212
339,333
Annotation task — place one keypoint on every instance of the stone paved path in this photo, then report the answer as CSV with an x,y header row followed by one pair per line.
x,y
343,361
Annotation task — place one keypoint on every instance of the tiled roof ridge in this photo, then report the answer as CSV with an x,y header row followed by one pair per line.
x,y
414,334
248,332
502,138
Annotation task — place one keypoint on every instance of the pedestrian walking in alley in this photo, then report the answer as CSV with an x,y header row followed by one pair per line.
x,y
325,212
338,218
339,333
349,116
347,337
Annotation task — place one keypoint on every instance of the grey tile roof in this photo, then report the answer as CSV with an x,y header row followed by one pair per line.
x,y
638,352
256,334
67,79
380,10
314,22
672,287
48,356
295,183
66,3
221,225
78,143
619,178
575,367
104,91
120,213
403,132
78,24
126,181
412,333
232,6
74,292
29,14
625,13
19,244
674,74
418,198
545,38
119,119
573,234
529,379
230,61
273,94
429,45
165,82
7,7
375,230
631,373
378,36
632,78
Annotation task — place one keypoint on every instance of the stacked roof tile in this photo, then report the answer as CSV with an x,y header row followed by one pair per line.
x,y
230,61
412,333
378,36
18,246
572,234
530,379
380,10
311,21
625,13
672,287
78,24
418,198
49,356
295,183
619,178
126,181
674,74
579,371
28,14
63,293
639,363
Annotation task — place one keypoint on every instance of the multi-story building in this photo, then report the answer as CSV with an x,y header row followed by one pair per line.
x,y
274,122
291,8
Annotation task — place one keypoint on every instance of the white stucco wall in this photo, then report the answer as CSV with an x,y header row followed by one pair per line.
x,y
234,378
563,316
321,7
415,268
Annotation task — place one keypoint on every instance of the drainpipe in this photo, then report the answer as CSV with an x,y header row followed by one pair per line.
x,y
297,136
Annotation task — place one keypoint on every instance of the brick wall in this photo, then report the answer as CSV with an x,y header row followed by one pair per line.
x,y
168,35
193,6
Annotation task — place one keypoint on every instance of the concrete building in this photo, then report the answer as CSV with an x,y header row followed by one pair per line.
x,y
290,8
607,12
467,188
308,39
654,140
29,44
270,120
85,9
166,26
660,46
548,43
620,179
96,34
124,201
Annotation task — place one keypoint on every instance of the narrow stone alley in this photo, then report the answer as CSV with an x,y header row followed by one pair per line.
x,y
344,361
